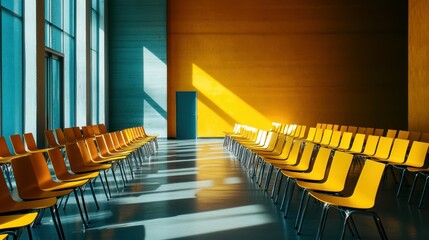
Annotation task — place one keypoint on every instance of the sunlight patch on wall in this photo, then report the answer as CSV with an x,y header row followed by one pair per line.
x,y
155,94
220,108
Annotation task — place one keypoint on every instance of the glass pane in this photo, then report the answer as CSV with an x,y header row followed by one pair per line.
x,y
94,4
57,13
56,91
57,39
94,87
48,10
94,31
48,35
69,15
13,5
69,81
12,69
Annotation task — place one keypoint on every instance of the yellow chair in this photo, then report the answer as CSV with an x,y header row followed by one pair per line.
x,y
383,148
60,136
391,133
69,135
34,181
31,144
52,141
357,145
402,134
315,173
379,132
370,146
334,182
9,205
18,144
17,221
63,174
345,142
335,140
311,134
361,200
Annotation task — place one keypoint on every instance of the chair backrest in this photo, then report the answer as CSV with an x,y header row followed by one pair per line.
x,y
4,149
58,162
40,168
60,136
335,139
383,147
361,130
102,128
30,142
302,133
93,150
424,137
320,164
379,132
358,143
329,126
96,130
326,137
77,133
305,159
74,157
50,138
297,131
414,136
69,135
311,133
369,131
371,145
86,132
18,144
318,135
336,127
402,134
318,125
338,171
391,133
417,155
346,139
399,151
25,177
367,184
343,128
352,129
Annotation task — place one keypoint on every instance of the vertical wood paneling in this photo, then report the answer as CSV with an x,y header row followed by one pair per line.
x,y
418,63
137,29
333,61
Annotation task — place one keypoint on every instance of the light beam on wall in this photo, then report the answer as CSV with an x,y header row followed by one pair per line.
x,y
155,94
220,106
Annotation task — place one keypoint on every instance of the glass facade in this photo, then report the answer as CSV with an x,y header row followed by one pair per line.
x,y
20,65
12,71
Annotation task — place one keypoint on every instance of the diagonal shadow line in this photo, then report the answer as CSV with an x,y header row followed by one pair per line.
x,y
204,99
155,105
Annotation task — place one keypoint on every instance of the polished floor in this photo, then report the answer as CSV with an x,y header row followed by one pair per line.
x,y
194,189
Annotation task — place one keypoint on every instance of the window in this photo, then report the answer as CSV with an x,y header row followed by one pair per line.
x,y
11,18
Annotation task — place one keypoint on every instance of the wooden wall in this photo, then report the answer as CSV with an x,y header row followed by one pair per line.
x,y
290,61
418,66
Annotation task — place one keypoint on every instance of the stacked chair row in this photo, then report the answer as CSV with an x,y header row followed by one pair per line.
x,y
76,158
319,162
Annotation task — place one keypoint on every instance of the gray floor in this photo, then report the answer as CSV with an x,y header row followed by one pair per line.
x,y
195,190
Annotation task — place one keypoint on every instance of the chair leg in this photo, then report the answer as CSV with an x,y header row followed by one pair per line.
x,y
322,223
423,192
284,194
268,179
301,222
401,182
30,236
278,189
93,195
412,188
57,222
275,183
301,205
292,188
85,224
379,226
